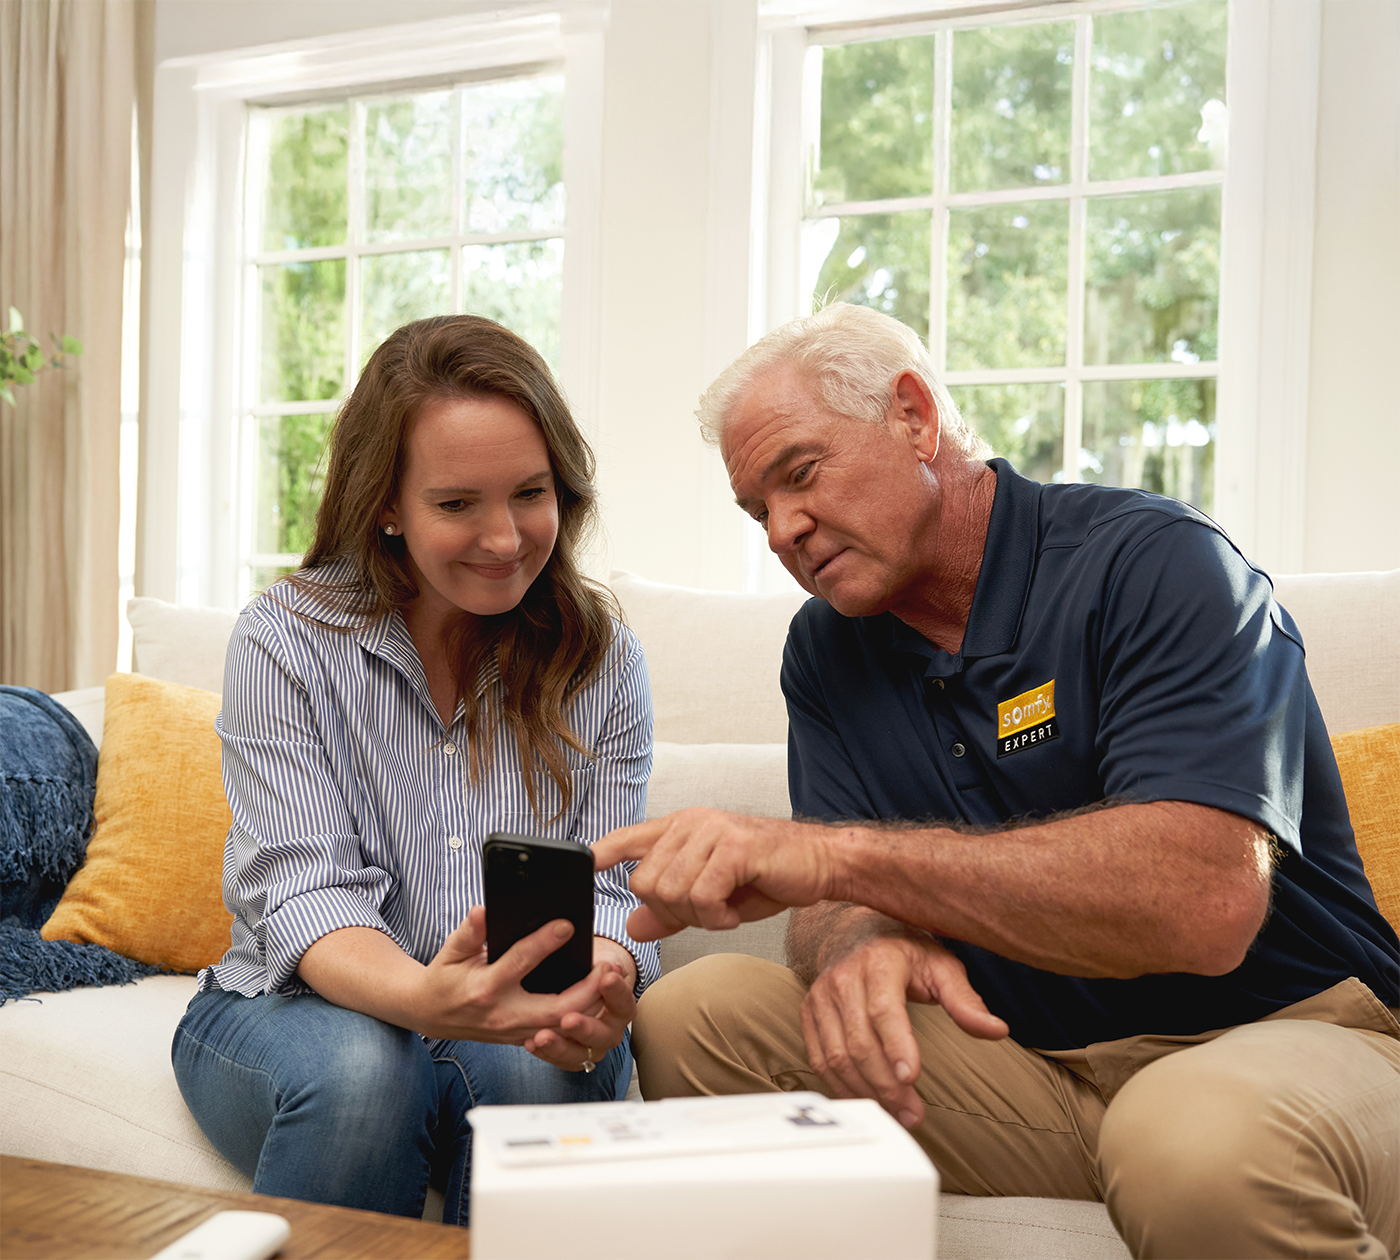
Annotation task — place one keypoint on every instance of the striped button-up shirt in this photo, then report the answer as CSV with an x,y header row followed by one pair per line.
x,y
353,806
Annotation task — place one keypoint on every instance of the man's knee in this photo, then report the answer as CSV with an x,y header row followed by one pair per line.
x,y
1233,1149
1175,1148
698,1025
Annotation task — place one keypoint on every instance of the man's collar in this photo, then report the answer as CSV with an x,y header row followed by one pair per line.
x,y
999,600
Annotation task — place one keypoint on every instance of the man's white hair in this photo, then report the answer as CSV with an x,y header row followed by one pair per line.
x,y
848,356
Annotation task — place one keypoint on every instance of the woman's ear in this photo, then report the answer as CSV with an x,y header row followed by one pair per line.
x,y
913,415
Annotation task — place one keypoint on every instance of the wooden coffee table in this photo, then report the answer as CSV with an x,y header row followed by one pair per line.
x,y
58,1212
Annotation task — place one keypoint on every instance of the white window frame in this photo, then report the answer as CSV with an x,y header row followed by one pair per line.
x,y
187,517
1267,233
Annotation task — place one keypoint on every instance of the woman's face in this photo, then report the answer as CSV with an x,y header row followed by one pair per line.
x,y
476,507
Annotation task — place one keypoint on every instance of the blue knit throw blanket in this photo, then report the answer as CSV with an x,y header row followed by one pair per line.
x,y
48,777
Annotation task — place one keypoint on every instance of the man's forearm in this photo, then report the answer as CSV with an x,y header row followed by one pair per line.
x,y
1126,891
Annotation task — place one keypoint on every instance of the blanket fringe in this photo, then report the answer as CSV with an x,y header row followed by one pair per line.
x,y
29,964
44,826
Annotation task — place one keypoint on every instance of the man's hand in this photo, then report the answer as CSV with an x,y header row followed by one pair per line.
x,y
706,868
856,1024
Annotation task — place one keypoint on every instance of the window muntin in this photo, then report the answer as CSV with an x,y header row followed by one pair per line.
x,y
1041,199
360,215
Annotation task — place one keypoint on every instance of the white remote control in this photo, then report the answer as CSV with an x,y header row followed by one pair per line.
x,y
230,1236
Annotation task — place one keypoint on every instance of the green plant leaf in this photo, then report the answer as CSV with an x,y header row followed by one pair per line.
x,y
23,375
6,395
34,357
71,345
16,321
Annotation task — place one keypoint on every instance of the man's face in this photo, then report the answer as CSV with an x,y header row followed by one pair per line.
x,y
847,505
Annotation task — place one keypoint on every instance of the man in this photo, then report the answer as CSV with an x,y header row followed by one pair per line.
x,y
1081,904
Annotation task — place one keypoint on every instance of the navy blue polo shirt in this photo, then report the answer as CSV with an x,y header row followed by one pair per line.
x,y
1119,648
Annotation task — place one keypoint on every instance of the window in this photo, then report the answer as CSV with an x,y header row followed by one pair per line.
x,y
361,214
1040,198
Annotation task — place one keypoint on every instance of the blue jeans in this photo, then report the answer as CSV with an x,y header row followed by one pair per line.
x,y
313,1101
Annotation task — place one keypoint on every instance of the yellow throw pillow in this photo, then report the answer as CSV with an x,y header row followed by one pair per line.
x,y
150,887
1369,760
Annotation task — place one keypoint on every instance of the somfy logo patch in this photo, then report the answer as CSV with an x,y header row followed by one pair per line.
x,y
1027,720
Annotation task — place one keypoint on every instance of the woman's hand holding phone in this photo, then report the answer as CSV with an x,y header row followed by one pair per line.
x,y
584,1038
461,996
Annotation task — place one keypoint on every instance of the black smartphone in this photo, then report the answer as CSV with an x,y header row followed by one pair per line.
x,y
531,881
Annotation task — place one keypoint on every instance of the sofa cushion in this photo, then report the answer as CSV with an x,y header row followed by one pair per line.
x,y
713,658
180,644
1351,632
87,1080
742,778
1369,761
1050,1229
150,888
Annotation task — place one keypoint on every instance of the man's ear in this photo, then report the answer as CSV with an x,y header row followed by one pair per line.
x,y
913,415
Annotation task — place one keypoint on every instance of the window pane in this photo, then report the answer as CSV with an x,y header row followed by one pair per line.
x,y
408,167
263,576
1157,91
304,187
397,288
875,260
876,121
1011,106
1153,278
519,285
1154,435
303,331
1025,423
1007,285
513,138
291,473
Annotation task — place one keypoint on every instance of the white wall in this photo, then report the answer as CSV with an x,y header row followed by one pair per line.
x,y
1354,386
670,516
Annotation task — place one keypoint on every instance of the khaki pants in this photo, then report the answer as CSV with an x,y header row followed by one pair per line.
x,y
1279,1138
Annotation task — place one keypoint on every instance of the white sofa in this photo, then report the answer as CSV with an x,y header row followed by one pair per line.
x,y
85,1075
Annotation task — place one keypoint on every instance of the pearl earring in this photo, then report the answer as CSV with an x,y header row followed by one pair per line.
x,y
389,529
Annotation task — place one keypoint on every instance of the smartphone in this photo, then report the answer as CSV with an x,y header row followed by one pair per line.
x,y
531,881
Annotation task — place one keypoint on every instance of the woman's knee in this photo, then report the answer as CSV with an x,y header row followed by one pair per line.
x,y
244,1063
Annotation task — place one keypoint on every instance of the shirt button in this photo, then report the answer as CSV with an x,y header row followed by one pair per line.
x,y
449,748
455,842
959,750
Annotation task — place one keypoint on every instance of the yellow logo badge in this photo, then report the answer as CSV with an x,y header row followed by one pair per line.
x,y
1027,720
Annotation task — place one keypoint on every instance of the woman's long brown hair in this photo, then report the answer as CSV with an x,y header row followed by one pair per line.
x,y
554,640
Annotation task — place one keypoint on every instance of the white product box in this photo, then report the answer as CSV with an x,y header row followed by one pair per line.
x,y
746,1177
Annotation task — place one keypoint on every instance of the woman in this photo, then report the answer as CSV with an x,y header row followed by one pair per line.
x,y
438,670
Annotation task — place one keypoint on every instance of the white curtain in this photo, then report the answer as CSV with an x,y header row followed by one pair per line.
x,y
69,75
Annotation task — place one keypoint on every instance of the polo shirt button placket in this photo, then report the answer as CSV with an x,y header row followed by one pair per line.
x,y
958,749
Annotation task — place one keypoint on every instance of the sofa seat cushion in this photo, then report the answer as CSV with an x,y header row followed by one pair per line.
x,y
86,1080
1050,1229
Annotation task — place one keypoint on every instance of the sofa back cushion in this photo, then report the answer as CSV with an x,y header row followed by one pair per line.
x,y
180,644
713,657
1351,631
